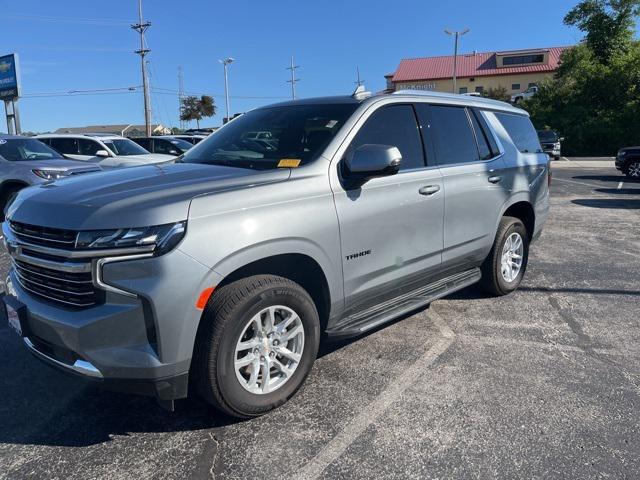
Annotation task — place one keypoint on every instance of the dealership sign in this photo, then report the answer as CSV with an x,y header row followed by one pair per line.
x,y
9,77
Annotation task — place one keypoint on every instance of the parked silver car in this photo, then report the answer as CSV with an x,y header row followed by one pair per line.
x,y
108,151
226,270
25,161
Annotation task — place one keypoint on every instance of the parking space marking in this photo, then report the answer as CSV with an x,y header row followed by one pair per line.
x,y
620,185
339,444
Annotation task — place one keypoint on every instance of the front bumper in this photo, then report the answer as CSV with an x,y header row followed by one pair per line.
x,y
139,339
620,163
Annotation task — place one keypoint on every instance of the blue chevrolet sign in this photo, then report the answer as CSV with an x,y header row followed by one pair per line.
x,y
9,77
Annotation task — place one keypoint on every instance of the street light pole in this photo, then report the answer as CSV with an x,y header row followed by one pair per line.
x,y
455,55
224,63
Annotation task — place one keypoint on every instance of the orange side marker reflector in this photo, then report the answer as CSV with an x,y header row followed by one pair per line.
x,y
204,298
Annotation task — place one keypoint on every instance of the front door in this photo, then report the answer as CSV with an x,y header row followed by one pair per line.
x,y
391,227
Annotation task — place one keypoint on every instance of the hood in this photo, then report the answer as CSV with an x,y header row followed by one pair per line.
x,y
630,149
61,164
121,161
132,197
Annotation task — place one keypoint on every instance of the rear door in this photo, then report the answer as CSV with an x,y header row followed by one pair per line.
x,y
473,172
391,227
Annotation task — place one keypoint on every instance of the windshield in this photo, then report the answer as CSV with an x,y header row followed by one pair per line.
x,y
275,137
20,149
547,136
124,146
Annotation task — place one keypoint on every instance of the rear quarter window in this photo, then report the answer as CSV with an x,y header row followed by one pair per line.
x,y
521,131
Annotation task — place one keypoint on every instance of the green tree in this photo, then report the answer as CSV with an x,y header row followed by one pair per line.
x,y
594,99
194,108
608,24
498,93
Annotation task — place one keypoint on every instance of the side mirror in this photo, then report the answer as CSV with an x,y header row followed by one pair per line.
x,y
372,160
561,139
102,153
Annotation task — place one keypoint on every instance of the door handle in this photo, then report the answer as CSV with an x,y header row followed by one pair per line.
x,y
429,190
495,179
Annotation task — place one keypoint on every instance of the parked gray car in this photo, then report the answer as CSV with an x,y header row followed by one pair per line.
x,y
227,269
25,161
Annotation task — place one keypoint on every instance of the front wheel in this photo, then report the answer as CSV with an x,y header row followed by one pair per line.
x,y
256,346
503,269
633,169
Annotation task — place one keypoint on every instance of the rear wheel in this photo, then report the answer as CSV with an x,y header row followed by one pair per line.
x,y
256,346
633,169
504,268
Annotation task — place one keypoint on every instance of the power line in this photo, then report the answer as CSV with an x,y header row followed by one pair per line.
x,y
76,20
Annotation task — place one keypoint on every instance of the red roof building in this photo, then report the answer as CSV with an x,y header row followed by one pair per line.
x,y
515,70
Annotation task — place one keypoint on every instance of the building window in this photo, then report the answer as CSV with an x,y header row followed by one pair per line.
x,y
463,90
523,59
515,86
480,90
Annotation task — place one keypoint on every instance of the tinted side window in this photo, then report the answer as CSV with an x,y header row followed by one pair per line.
x,y
143,142
481,136
68,146
488,133
450,132
162,146
88,147
521,131
396,126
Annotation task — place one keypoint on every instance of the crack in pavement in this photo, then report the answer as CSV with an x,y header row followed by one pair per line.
x,y
339,444
215,455
586,344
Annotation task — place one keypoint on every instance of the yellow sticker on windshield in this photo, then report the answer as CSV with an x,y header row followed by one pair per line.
x,y
289,163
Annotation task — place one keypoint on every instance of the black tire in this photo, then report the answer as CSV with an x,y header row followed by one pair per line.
x,y
632,170
6,199
224,319
492,278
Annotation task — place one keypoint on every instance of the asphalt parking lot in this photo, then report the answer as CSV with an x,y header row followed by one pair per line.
x,y
544,383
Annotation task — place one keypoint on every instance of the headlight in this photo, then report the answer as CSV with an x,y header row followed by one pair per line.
x,y
556,145
162,237
622,153
50,174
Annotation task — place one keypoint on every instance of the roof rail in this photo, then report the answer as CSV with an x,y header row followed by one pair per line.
x,y
453,96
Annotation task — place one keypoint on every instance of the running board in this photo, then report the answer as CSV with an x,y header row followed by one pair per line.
x,y
361,322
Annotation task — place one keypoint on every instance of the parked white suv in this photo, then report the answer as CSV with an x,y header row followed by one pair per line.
x,y
108,151
528,93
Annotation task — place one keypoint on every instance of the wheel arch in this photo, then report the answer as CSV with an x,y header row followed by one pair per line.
x,y
525,212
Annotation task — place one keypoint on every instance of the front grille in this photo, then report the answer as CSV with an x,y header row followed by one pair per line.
x,y
45,236
71,289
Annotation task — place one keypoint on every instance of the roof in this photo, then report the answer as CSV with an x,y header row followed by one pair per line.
x,y
116,128
99,136
471,65
5,136
317,101
468,100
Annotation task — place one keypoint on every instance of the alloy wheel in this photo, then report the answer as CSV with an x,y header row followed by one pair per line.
x,y
512,257
269,349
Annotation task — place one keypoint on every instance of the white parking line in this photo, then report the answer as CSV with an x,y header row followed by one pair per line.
x,y
339,444
620,185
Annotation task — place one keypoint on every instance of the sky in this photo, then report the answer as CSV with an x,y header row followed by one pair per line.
x,y
87,45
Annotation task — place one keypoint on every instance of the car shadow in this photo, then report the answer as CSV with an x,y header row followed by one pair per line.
x,y
618,191
606,178
589,291
609,203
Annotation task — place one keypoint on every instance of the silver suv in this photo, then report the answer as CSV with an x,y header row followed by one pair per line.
x,y
227,269
25,161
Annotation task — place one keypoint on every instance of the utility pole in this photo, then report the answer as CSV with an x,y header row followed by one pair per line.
x,y
293,80
224,63
180,96
455,55
358,81
141,27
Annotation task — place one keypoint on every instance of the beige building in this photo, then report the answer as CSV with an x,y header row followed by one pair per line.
x,y
514,70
